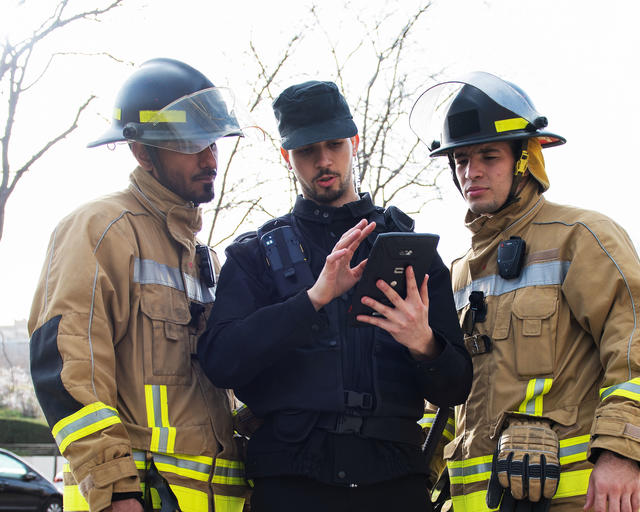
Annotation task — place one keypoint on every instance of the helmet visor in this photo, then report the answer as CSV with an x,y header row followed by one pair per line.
x,y
427,118
193,122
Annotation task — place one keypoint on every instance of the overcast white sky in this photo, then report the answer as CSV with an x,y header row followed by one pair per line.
x,y
577,60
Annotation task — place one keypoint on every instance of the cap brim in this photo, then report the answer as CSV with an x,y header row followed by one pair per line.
x,y
329,130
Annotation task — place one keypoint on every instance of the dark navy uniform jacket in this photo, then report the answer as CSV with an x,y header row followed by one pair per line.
x,y
340,403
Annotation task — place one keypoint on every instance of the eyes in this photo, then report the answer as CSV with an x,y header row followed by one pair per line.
x,y
333,145
463,160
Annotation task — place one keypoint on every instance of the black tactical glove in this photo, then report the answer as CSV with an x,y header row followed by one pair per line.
x,y
525,467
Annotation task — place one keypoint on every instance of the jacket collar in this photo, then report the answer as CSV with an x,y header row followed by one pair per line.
x,y
314,212
486,228
182,218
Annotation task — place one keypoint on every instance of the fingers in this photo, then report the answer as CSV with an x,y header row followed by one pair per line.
x,y
359,269
589,502
424,290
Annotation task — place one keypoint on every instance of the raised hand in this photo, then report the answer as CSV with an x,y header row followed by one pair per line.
x,y
337,276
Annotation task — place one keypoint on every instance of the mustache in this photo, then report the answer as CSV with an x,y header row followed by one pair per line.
x,y
206,173
325,172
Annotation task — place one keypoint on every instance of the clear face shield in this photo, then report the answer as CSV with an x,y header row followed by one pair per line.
x,y
192,123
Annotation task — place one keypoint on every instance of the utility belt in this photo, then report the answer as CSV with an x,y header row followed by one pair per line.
x,y
398,430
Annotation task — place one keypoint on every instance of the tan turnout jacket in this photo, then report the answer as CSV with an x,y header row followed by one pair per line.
x,y
114,326
565,343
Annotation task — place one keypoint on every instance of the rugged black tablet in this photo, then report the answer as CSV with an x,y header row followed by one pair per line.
x,y
390,255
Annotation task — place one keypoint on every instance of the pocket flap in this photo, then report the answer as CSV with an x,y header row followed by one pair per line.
x,y
166,304
535,302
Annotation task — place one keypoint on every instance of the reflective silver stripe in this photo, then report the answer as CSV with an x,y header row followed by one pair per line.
x,y
470,470
627,386
139,456
162,458
565,451
451,429
199,467
152,272
538,390
537,274
227,472
427,420
85,421
163,430
196,290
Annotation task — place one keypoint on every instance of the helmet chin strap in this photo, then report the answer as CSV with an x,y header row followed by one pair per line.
x,y
518,175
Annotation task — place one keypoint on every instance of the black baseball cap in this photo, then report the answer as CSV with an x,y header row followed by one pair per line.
x,y
312,112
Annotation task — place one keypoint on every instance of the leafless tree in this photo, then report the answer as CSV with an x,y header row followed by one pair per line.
x,y
16,66
391,164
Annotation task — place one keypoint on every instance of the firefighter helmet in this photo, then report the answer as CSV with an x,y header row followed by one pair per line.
x,y
168,104
476,109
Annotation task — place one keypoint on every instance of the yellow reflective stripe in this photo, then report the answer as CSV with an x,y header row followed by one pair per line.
x,y
515,123
228,472
536,389
449,430
155,497
167,116
573,483
117,113
197,468
86,421
470,470
427,420
629,389
190,500
163,435
574,449
227,503
72,499
473,502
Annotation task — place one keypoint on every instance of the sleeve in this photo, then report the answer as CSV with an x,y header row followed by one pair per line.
x,y
79,312
445,380
247,331
602,287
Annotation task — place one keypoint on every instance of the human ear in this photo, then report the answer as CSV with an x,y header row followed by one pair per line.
x,y
141,154
355,140
285,155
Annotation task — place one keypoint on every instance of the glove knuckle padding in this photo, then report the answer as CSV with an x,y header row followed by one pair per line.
x,y
527,460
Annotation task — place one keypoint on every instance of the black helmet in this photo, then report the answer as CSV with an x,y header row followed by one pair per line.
x,y
475,109
168,104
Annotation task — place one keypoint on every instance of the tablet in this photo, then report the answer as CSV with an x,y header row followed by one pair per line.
x,y
390,255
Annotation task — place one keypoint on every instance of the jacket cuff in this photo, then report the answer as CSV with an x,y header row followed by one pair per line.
x,y
616,428
99,483
448,356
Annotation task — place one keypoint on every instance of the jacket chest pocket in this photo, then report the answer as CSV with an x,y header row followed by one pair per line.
x,y
166,336
535,322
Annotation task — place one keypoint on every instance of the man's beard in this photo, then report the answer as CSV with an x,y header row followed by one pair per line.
x,y
326,196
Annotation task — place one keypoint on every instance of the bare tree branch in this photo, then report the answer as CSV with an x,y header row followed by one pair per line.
x,y
14,64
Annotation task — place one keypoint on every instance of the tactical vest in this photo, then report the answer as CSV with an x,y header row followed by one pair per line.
x,y
306,389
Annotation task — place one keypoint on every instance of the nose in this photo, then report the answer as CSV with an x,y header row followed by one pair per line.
x,y
208,157
473,169
324,158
